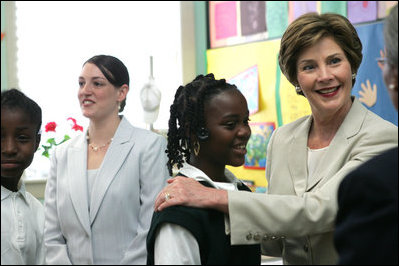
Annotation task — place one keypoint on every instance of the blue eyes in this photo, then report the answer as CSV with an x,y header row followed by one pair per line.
x,y
307,67
333,61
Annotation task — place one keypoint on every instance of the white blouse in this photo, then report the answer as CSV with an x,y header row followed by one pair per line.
x,y
315,156
22,225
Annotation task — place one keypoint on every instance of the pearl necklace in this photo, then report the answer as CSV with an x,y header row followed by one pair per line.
x,y
97,148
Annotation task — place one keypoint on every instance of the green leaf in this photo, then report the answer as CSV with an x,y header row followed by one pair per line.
x,y
45,153
51,141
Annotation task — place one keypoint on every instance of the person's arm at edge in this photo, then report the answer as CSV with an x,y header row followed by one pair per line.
x,y
204,197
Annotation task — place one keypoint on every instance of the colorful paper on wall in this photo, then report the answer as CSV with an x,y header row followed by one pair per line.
x,y
362,11
247,82
257,145
276,18
252,17
298,8
222,21
338,7
225,20
293,106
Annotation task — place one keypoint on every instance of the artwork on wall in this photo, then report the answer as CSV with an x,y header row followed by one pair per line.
x,y
248,83
257,144
362,11
276,18
298,8
223,22
238,22
252,17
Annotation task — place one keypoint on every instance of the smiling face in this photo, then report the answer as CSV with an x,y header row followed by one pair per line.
x,y
19,141
325,77
98,98
226,118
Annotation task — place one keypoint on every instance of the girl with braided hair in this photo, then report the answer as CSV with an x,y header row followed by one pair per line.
x,y
208,129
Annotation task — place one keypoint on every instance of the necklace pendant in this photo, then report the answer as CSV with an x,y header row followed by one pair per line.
x,y
95,148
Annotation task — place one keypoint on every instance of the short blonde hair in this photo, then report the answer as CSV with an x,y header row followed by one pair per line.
x,y
308,29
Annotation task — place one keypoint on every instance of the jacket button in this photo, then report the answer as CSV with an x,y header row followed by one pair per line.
x,y
249,236
306,248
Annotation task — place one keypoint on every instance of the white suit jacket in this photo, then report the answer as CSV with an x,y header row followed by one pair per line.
x,y
295,219
113,228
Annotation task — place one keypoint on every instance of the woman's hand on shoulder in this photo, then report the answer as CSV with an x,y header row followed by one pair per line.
x,y
188,192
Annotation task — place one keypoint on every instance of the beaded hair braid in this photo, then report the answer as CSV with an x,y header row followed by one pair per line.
x,y
187,115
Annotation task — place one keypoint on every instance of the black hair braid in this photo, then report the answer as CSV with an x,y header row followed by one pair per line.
x,y
174,149
187,116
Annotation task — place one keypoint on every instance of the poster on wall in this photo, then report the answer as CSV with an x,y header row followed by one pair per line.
x,y
276,18
298,8
362,11
248,83
222,22
253,17
257,144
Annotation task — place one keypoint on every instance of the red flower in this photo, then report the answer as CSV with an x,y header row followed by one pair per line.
x,y
76,127
50,126
73,120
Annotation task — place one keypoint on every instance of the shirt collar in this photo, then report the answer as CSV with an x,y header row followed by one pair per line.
x,y
5,193
193,172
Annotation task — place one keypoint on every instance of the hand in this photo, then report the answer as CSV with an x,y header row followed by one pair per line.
x,y
189,192
382,55
368,95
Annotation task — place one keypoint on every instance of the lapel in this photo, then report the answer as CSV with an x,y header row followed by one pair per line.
x,y
297,156
116,154
77,173
350,127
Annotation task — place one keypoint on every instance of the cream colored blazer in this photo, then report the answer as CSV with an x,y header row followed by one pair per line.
x,y
112,229
295,219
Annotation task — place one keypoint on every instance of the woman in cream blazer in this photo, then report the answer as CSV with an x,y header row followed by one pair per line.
x,y
296,219
103,220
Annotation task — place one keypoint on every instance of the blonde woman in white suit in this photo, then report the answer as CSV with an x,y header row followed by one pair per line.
x,y
308,158
100,194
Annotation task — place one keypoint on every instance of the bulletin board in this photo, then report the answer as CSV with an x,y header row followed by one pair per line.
x,y
238,22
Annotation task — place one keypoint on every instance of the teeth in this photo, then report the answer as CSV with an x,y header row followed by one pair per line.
x,y
241,146
86,102
329,90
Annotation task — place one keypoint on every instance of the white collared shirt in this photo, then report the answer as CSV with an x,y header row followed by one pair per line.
x,y
22,224
176,245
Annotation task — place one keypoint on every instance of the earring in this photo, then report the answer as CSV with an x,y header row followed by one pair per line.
x,y
196,147
391,87
298,89
353,75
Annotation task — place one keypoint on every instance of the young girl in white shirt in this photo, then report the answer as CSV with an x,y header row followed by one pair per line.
x,y
22,215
